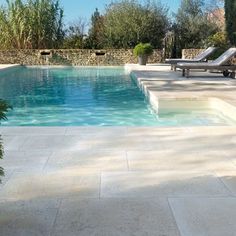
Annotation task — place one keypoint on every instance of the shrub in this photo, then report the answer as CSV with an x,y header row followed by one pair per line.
x,y
128,22
4,107
143,49
218,40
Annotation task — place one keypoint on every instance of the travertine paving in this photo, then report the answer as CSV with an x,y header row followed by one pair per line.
x,y
107,181
110,181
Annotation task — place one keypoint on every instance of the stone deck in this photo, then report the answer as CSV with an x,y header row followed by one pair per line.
x,y
110,181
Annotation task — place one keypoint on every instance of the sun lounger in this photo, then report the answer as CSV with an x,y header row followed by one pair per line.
x,y
199,58
219,64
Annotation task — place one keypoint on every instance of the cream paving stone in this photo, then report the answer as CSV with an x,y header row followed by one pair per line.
x,y
95,131
42,142
231,153
27,218
228,177
177,160
155,131
31,131
91,161
24,186
195,143
55,142
24,160
13,143
205,216
75,142
7,175
127,143
161,183
115,217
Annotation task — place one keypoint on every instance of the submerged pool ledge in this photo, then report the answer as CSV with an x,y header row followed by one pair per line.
x,y
163,91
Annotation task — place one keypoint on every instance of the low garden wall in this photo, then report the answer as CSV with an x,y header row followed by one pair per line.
x,y
83,57
75,57
190,53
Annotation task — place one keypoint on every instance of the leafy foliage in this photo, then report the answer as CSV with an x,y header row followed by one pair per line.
x,y
31,24
218,40
230,17
127,22
4,107
143,49
96,37
75,33
192,25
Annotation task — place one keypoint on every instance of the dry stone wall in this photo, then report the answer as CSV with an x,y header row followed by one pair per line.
x,y
190,53
74,57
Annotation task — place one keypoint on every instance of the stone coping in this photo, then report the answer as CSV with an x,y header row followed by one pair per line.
x,y
8,66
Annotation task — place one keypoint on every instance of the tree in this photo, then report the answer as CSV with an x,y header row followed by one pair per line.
x,y
216,13
4,107
96,32
75,34
46,23
31,24
127,23
192,23
230,18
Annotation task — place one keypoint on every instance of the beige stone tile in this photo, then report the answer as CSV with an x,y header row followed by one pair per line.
x,y
154,131
32,131
46,142
194,142
55,142
128,143
25,160
227,175
27,218
161,183
7,175
24,186
96,132
177,160
91,161
115,217
13,143
205,216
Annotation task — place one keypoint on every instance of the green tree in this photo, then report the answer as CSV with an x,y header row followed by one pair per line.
x,y
75,34
192,24
127,22
230,18
31,24
96,32
4,107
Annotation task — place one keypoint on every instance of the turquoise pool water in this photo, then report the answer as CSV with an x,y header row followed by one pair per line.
x,y
89,96
73,97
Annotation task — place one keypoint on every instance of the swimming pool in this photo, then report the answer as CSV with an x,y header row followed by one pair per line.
x,y
88,96
71,96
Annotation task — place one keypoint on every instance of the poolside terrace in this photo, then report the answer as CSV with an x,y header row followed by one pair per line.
x,y
173,181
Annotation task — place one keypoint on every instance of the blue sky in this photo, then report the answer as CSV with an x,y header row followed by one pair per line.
x,y
74,9
82,8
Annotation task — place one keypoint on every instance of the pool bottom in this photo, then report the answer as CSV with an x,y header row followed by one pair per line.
x,y
170,112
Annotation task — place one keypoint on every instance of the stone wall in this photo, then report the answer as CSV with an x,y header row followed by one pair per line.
x,y
190,53
80,57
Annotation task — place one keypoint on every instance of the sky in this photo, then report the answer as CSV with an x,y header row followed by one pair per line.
x,y
74,9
